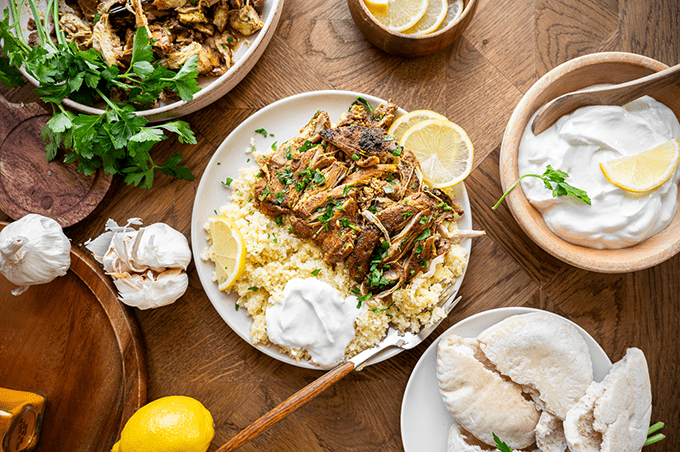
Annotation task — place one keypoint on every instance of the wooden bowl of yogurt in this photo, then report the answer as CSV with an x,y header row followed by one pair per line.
x,y
615,253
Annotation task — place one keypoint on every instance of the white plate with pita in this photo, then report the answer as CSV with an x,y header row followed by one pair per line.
x,y
425,421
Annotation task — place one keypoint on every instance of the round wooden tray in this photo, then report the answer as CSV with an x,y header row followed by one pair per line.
x,y
73,342
30,184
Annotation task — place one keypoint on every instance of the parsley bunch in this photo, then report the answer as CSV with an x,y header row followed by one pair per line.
x,y
550,177
117,140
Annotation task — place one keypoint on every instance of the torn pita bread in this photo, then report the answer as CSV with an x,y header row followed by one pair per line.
x,y
614,414
550,434
545,354
480,399
461,441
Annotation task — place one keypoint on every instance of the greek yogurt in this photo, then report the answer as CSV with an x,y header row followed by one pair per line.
x,y
313,316
576,144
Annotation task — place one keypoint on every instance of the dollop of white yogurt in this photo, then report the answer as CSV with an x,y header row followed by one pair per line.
x,y
313,316
576,144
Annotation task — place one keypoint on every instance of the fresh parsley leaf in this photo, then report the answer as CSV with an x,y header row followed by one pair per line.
x,y
228,182
560,187
361,101
262,132
316,272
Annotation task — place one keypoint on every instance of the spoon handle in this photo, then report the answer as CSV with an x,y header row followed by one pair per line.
x,y
289,405
610,95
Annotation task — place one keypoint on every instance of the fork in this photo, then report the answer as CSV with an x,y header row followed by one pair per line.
x,y
394,338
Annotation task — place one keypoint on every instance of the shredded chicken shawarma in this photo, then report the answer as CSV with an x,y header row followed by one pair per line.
x,y
211,29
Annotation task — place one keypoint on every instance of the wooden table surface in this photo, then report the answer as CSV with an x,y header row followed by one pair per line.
x,y
476,82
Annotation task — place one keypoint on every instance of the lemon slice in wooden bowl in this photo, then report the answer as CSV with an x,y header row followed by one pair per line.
x,y
399,15
443,149
431,20
644,171
229,248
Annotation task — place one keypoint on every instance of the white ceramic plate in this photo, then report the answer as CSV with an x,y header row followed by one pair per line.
x,y
284,119
425,421
212,88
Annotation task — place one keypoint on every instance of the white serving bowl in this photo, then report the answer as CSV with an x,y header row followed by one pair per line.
x,y
212,88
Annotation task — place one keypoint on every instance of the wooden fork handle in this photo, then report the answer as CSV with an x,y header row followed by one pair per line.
x,y
289,405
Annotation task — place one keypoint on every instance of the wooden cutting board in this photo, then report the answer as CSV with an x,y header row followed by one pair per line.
x,y
73,342
29,184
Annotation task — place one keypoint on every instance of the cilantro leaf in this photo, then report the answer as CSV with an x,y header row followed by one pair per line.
x,y
549,177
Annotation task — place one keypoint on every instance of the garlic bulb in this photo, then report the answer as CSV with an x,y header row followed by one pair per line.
x,y
147,291
147,265
33,250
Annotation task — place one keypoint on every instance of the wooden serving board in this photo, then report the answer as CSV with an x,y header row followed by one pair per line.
x,y
29,184
73,342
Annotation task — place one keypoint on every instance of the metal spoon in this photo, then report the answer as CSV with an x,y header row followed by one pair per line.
x,y
611,95
394,339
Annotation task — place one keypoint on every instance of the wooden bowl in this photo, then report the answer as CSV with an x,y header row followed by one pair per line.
x,y
212,88
409,45
598,68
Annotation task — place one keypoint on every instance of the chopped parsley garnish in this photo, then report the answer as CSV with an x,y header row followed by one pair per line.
x,y
363,298
307,145
355,157
425,234
419,249
361,101
279,221
389,138
289,156
262,132
388,189
383,309
253,288
344,221
316,272
273,145
423,220
405,215
236,306
346,189
228,182
397,151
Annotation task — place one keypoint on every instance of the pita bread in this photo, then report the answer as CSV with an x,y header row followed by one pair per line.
x,y
614,414
550,434
480,399
545,354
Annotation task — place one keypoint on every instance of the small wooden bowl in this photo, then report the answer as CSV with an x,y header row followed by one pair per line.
x,y
409,45
598,68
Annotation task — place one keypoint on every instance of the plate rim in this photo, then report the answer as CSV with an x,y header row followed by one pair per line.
x,y
500,314
197,229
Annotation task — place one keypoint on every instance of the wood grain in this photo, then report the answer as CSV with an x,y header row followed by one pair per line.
x,y
477,82
84,355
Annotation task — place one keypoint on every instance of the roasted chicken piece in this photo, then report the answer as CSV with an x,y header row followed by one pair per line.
x,y
245,20
104,39
76,30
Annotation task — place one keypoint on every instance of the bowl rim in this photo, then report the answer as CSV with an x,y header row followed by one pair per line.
x,y
645,254
214,83
466,10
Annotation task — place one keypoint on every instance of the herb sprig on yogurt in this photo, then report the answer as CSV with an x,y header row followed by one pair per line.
x,y
549,177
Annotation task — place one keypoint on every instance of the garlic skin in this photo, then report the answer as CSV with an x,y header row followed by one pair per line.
x,y
33,250
146,291
147,265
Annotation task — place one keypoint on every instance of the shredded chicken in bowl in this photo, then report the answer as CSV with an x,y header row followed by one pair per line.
x,y
180,29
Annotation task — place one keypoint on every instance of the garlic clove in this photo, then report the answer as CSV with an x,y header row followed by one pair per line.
x,y
33,250
146,291
159,246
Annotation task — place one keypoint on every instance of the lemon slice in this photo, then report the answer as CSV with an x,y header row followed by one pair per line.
x,y
405,122
376,6
431,20
454,12
230,251
400,15
443,149
644,171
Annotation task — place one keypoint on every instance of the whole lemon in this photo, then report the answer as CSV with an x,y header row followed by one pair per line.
x,y
168,424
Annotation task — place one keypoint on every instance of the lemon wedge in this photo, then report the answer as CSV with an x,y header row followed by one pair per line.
x,y
443,149
431,20
644,171
400,15
405,122
230,251
376,6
